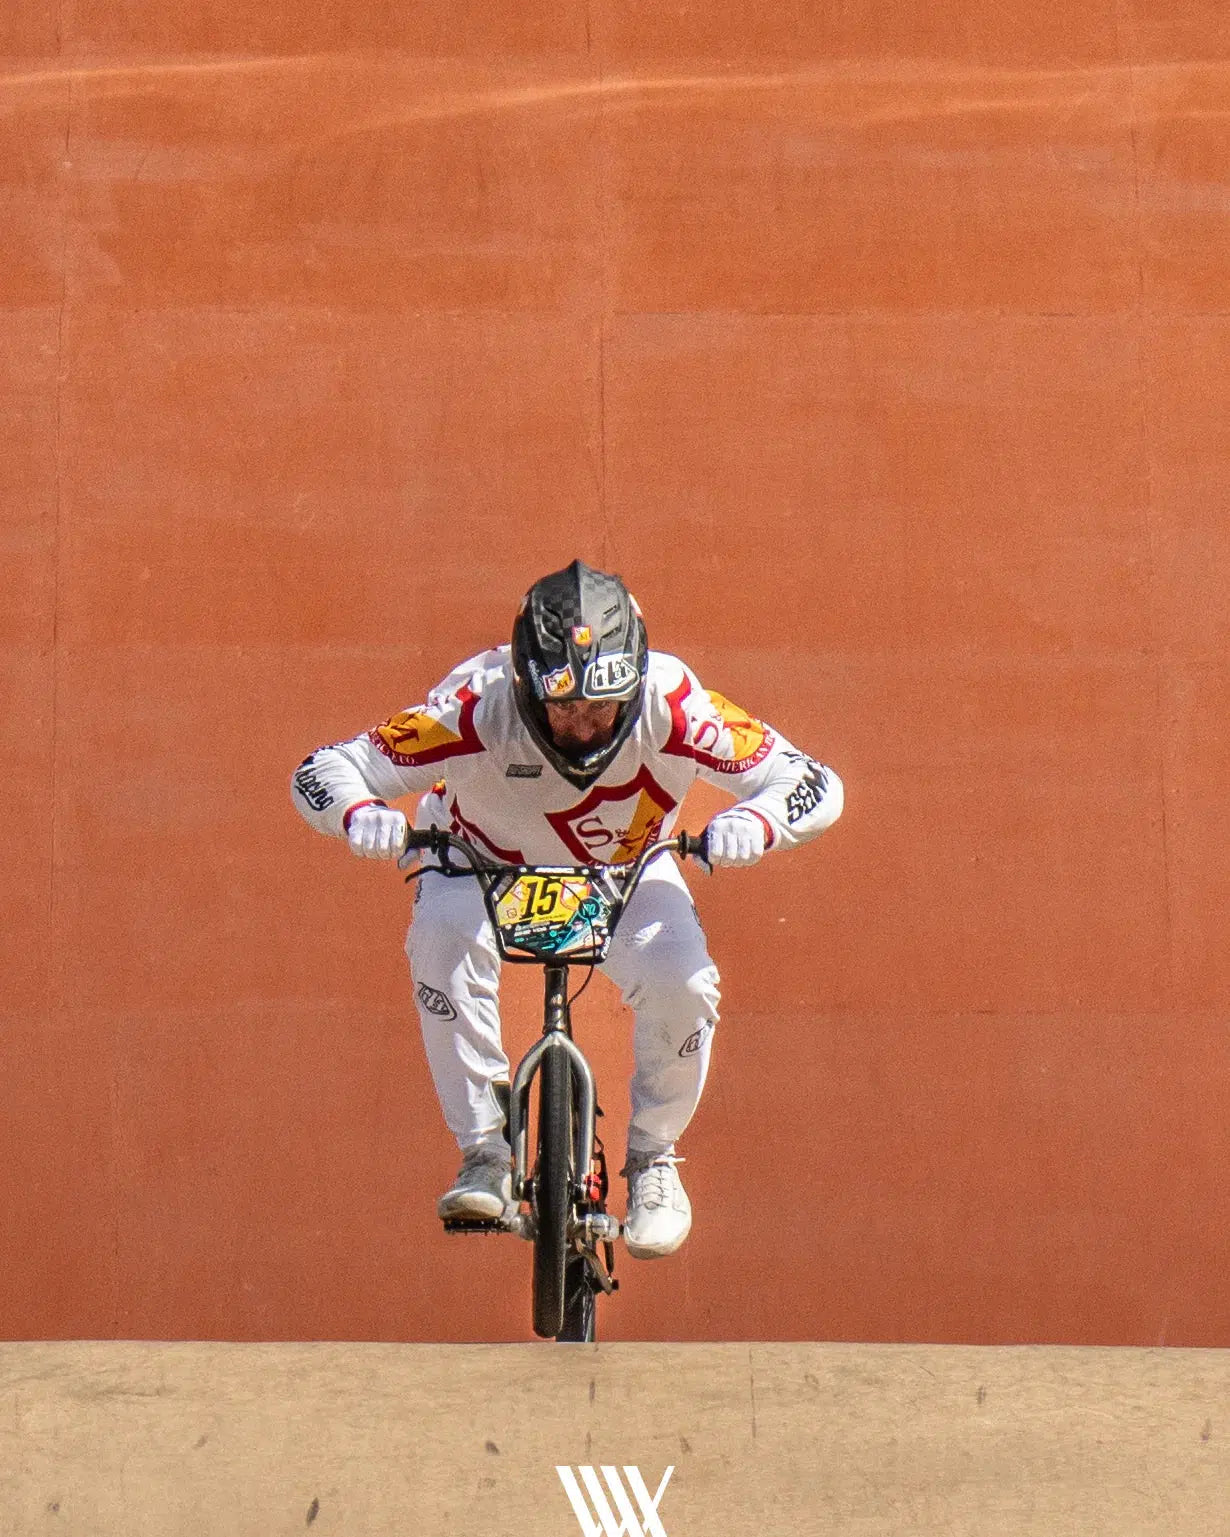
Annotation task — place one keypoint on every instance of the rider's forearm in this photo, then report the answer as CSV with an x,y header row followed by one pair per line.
x,y
335,780
800,800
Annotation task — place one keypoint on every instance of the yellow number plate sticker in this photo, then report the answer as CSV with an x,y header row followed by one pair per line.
x,y
541,899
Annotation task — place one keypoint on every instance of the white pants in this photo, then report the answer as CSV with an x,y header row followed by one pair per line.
x,y
658,960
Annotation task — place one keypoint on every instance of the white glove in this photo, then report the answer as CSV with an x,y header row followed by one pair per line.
x,y
377,832
734,838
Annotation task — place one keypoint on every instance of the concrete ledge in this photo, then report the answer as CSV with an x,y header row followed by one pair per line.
x,y
206,1440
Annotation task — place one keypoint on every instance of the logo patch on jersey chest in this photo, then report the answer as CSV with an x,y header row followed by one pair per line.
x,y
614,824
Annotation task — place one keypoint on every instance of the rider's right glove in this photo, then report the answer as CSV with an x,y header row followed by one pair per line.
x,y
377,832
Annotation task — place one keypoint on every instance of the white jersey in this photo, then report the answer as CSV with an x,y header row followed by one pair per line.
x,y
481,774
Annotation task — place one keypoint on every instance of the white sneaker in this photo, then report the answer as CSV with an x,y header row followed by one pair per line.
x,y
483,1188
659,1214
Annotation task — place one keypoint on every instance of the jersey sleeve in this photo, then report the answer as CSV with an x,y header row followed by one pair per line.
x,y
794,795
403,755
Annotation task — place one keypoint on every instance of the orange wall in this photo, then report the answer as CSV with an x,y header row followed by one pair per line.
x,y
887,356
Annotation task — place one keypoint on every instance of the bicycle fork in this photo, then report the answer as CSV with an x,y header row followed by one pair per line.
x,y
556,1036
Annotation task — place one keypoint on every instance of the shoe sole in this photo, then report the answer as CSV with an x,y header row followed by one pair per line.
x,y
638,1251
485,1206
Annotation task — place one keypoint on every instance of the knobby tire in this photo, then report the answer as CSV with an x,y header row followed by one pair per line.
x,y
552,1192
580,1303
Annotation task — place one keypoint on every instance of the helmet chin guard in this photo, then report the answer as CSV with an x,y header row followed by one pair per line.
x,y
579,635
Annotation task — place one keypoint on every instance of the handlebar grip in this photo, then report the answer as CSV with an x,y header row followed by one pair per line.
x,y
693,845
421,838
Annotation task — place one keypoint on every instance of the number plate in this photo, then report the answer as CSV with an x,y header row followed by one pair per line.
x,y
553,914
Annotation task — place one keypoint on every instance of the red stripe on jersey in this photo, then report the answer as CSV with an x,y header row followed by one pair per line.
x,y
350,811
475,834
768,829
677,741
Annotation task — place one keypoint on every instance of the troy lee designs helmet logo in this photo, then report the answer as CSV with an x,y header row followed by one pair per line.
x,y
610,677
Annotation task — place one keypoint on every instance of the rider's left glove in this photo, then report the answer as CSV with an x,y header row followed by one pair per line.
x,y
734,838
377,832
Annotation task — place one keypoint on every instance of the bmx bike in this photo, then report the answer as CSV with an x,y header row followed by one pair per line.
x,y
556,917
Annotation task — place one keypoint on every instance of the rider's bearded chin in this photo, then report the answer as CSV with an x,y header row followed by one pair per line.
x,y
568,740
578,738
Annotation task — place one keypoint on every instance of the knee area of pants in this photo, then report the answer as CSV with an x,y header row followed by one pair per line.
x,y
694,997
705,987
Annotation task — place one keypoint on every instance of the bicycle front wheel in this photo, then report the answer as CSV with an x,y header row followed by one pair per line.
x,y
552,1191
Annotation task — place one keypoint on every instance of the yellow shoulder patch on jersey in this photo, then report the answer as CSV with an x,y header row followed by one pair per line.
x,y
413,738
747,734
719,735
412,732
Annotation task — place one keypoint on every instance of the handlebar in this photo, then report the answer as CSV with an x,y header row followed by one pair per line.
x,y
436,840
497,878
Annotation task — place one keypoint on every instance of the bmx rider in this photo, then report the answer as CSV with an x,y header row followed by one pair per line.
x,y
576,744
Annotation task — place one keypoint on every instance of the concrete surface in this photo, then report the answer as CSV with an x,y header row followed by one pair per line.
x,y
191,1440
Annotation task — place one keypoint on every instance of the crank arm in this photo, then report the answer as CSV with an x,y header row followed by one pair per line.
x,y
603,1278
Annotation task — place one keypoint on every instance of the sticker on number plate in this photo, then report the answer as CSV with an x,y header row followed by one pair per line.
x,y
553,914
542,900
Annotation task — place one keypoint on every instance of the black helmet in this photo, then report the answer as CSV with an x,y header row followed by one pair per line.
x,y
579,635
